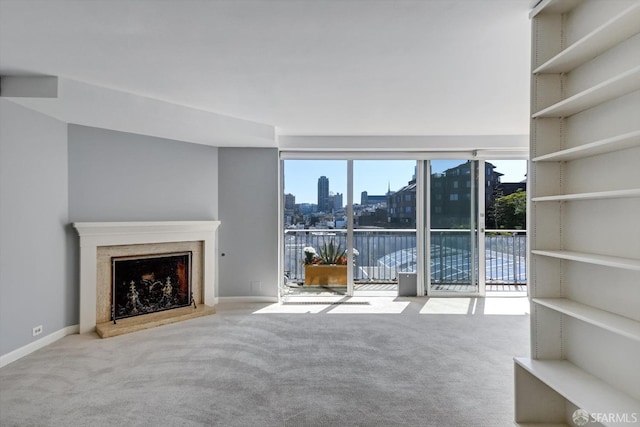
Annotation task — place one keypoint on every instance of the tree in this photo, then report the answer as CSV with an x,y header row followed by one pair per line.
x,y
511,211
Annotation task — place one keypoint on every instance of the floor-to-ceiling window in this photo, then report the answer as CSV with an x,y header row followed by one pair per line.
x,y
505,226
385,210
315,226
453,218
457,224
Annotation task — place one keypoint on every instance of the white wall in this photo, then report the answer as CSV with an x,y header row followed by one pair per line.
x,y
118,176
509,145
248,235
36,270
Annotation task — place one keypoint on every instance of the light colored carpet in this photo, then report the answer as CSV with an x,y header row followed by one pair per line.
x,y
390,362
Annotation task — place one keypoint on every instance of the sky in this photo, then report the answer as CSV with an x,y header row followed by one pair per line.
x,y
373,176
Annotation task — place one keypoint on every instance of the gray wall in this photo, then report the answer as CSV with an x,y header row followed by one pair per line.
x,y
52,174
117,176
248,234
36,276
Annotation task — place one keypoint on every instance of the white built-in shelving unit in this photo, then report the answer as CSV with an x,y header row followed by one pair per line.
x,y
584,215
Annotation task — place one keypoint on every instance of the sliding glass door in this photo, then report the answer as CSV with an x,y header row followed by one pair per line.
x,y
315,227
455,227
384,217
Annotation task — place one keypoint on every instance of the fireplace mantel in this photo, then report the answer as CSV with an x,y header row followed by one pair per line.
x,y
97,234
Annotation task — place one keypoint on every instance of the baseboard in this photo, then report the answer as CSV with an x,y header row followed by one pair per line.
x,y
223,300
19,353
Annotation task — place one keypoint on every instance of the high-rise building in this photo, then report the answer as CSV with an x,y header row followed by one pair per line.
x,y
335,202
289,208
323,194
338,202
289,201
364,198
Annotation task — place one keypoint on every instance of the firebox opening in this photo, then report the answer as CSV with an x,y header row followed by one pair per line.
x,y
150,283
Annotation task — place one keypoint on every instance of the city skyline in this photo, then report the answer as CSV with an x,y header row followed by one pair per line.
x,y
301,176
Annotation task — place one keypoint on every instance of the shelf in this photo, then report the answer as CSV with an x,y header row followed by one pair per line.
x,y
620,325
579,387
616,30
554,6
622,84
604,260
599,195
602,146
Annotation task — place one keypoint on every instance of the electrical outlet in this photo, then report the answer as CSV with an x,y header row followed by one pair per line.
x,y
37,330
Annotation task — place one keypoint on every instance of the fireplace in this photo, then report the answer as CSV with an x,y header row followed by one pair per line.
x,y
172,265
149,284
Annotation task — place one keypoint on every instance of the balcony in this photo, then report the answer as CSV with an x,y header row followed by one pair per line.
x,y
384,253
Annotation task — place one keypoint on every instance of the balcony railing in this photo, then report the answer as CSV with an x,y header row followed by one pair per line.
x,y
384,253
506,257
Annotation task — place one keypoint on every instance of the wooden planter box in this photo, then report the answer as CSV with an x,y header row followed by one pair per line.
x,y
325,275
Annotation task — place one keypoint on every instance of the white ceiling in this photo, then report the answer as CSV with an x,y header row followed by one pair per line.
x,y
307,67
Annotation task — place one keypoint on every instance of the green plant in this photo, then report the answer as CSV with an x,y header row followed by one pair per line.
x,y
332,254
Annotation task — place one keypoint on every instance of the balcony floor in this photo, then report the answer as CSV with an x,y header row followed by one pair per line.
x,y
391,289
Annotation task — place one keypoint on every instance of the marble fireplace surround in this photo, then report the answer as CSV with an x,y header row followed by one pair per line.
x,y
97,238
